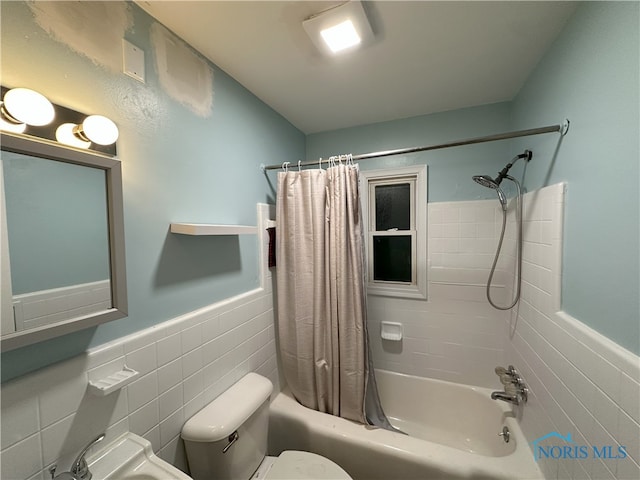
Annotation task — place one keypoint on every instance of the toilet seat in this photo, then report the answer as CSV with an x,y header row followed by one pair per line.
x,y
296,465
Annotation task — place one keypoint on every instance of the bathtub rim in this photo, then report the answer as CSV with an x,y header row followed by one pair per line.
x,y
327,431
461,392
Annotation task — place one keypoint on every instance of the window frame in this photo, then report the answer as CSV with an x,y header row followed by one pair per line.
x,y
416,176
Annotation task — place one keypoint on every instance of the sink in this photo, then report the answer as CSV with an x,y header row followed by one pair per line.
x,y
130,457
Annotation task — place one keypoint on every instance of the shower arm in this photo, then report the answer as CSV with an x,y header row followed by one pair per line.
x,y
527,155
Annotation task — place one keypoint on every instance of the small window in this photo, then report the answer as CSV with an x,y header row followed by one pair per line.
x,y
395,204
392,258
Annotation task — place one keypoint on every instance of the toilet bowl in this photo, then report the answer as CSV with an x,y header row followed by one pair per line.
x,y
296,465
227,440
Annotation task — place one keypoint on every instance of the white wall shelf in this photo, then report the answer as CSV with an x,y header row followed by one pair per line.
x,y
212,229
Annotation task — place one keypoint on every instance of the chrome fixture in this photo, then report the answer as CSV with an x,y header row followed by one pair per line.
x,y
487,181
97,129
505,434
233,438
515,390
79,469
562,129
508,375
510,395
27,112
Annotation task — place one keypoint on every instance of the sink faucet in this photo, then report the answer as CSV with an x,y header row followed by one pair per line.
x,y
79,468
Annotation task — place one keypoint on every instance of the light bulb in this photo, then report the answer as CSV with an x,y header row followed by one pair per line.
x,y
98,129
28,106
64,134
10,126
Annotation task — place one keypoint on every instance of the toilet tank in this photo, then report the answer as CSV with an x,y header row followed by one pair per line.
x,y
237,419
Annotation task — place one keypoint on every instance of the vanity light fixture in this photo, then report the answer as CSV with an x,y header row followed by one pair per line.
x,y
64,134
29,113
23,106
97,129
7,126
339,29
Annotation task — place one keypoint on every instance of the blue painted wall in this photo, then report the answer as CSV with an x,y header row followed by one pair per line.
x,y
450,170
180,167
589,75
177,166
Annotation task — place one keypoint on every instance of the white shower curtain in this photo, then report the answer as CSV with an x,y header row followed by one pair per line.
x,y
321,293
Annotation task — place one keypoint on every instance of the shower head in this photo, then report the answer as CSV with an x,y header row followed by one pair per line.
x,y
487,181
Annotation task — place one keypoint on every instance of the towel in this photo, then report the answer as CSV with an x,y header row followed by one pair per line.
x,y
272,246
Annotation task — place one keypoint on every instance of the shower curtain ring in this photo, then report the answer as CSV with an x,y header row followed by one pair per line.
x,y
299,162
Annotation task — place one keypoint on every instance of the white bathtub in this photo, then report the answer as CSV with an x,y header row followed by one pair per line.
x,y
453,434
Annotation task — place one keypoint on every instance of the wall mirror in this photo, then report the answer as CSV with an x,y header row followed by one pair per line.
x,y
62,240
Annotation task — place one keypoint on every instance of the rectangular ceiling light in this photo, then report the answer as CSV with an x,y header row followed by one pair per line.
x,y
341,36
339,29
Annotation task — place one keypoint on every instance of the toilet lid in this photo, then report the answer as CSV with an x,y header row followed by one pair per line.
x,y
295,465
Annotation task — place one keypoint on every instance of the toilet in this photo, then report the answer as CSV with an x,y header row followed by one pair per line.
x,y
227,440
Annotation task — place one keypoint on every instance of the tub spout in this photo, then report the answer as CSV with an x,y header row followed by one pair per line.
x,y
506,397
515,391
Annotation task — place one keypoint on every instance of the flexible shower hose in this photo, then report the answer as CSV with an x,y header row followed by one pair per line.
x,y
519,250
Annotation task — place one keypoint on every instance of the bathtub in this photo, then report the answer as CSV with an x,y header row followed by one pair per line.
x,y
452,433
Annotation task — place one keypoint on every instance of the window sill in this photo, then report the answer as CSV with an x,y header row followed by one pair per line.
x,y
399,291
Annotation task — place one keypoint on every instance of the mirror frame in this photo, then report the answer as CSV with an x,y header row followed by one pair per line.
x,y
113,173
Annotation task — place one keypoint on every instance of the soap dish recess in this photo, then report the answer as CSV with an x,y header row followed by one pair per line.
x,y
113,382
391,331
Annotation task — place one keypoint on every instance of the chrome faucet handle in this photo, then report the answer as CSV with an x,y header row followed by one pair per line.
x,y
506,379
509,375
79,468
518,390
511,371
511,389
514,380
515,376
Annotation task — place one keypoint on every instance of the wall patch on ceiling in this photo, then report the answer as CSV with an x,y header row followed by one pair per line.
x,y
183,74
93,29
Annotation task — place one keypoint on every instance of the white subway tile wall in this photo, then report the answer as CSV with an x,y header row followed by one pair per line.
x,y
48,416
581,382
455,335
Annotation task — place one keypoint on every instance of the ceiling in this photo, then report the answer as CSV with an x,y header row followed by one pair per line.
x,y
426,57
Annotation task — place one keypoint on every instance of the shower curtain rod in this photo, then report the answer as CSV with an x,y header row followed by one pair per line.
x,y
560,128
